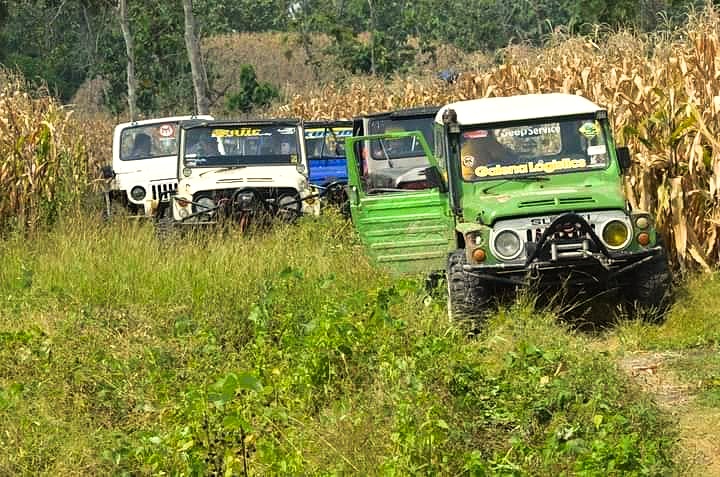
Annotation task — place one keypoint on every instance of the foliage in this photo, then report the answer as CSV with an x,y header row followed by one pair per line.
x,y
288,357
251,93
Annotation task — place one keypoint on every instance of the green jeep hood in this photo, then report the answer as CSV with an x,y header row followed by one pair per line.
x,y
559,193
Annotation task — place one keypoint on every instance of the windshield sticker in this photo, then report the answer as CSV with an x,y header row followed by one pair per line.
x,y
589,130
530,131
293,159
530,168
286,131
242,132
596,150
167,130
475,134
321,133
468,161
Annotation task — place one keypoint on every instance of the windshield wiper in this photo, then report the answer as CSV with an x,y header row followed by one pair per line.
x,y
222,169
516,179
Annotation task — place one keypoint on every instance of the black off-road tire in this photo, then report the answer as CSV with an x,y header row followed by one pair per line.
x,y
468,296
164,228
164,223
649,289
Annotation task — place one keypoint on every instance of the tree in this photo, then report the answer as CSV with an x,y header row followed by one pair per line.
x,y
199,76
130,50
251,93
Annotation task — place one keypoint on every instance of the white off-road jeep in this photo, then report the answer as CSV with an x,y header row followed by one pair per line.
x,y
239,170
144,164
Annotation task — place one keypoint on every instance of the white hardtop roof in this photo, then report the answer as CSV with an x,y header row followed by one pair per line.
x,y
518,108
168,119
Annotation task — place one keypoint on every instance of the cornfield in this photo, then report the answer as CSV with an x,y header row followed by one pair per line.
x,y
662,92
45,166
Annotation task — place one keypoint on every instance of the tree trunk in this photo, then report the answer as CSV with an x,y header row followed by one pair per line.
x,y
372,38
192,44
130,49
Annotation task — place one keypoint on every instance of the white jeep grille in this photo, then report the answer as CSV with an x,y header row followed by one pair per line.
x,y
158,189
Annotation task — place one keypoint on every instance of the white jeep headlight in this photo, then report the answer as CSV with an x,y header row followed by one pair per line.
x,y
138,193
507,244
204,204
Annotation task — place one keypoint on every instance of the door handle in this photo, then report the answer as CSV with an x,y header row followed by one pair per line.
x,y
354,195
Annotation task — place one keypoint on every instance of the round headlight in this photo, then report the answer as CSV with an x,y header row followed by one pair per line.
x,y
507,244
204,204
137,193
289,203
615,234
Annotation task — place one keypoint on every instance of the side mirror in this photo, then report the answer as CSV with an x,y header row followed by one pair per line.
x,y
107,172
623,155
435,178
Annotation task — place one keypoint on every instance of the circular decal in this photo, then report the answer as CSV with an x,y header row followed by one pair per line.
x,y
167,130
468,161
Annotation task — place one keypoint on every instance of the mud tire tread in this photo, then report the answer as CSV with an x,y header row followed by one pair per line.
x,y
468,297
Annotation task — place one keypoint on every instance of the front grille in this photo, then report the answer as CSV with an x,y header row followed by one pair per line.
x,y
534,234
159,189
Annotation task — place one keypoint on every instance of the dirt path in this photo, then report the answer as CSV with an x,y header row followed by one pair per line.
x,y
699,426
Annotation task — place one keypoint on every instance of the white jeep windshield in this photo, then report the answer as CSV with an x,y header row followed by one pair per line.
x,y
240,145
542,147
148,142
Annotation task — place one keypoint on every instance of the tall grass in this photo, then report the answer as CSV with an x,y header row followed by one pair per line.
x,y
287,354
662,91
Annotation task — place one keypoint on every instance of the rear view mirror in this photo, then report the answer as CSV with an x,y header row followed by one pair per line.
x,y
623,156
435,178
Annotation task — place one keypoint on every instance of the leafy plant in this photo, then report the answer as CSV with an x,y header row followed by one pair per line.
x,y
251,93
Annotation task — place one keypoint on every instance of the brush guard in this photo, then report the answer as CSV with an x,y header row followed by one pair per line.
x,y
569,245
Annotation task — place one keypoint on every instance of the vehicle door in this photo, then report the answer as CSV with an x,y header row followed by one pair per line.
x,y
405,230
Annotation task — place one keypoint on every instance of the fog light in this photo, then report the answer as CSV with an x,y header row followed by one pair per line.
x,y
642,222
643,238
478,255
615,234
137,193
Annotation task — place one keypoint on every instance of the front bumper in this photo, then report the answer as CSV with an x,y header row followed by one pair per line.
x,y
588,270
581,260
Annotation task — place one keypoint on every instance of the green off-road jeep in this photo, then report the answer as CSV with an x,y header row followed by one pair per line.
x,y
525,189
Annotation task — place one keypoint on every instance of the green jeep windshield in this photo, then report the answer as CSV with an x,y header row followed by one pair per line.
x,y
541,147
240,145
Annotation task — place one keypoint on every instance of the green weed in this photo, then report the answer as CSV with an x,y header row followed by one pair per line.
x,y
289,354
